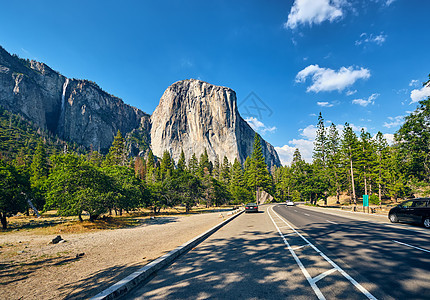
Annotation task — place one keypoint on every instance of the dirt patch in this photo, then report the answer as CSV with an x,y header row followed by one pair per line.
x,y
86,263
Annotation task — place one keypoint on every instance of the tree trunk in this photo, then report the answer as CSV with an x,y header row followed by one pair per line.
x,y
380,195
80,217
3,220
352,184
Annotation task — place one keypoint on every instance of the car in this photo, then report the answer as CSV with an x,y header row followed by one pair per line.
x,y
412,211
289,203
251,207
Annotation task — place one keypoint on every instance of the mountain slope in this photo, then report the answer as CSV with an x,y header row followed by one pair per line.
x,y
194,115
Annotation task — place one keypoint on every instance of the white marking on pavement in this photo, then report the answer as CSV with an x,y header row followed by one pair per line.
x,y
299,263
300,247
332,222
307,214
322,275
425,250
295,210
305,272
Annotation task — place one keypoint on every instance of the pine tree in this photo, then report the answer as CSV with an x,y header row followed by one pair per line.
x,y
117,152
259,177
320,144
333,161
150,168
366,159
193,164
349,149
182,166
166,165
381,147
204,164
225,171
39,166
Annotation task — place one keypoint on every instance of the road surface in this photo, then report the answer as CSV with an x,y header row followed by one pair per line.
x,y
297,253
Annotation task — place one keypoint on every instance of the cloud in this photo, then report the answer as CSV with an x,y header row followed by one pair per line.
x,y
389,137
395,121
314,12
421,94
325,104
389,2
349,93
367,39
305,144
259,126
364,102
414,82
325,79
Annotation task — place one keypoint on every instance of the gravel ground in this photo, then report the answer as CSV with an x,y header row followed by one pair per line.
x,y
87,263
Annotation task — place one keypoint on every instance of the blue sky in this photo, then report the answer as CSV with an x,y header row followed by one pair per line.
x,y
356,61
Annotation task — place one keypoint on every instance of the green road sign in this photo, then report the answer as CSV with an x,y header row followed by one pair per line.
x,y
365,200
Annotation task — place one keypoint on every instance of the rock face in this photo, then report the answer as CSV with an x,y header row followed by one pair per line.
x,y
75,110
194,115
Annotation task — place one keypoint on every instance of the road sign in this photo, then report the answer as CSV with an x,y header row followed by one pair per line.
x,y
365,200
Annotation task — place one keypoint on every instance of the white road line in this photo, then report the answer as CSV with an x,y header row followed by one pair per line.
x,y
307,214
299,263
300,247
346,275
322,275
425,250
288,234
295,210
332,222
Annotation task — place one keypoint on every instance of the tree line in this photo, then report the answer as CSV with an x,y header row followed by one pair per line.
x,y
361,164
74,184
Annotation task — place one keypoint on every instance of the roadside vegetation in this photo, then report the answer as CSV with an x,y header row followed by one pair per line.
x,y
345,163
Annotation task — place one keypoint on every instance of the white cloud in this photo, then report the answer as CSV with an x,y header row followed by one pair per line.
x,y
349,93
325,79
305,144
414,82
389,2
366,102
285,154
395,121
314,12
325,104
371,38
421,94
389,137
259,126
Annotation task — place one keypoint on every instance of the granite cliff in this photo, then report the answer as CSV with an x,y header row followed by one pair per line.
x,y
194,115
75,110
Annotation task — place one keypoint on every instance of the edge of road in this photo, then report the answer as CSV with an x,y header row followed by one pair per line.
x,y
123,286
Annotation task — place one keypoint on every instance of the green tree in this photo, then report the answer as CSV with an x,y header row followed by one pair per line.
x,y
39,174
349,145
259,175
193,164
204,164
14,185
117,152
225,171
334,169
320,161
75,185
182,165
150,168
166,165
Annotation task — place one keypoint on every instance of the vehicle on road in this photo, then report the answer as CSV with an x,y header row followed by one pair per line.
x,y
289,203
251,207
412,211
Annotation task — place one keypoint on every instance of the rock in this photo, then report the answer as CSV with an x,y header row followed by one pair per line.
x,y
56,240
62,241
80,255
193,115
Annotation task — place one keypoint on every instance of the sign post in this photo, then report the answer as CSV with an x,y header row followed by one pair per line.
x,y
366,202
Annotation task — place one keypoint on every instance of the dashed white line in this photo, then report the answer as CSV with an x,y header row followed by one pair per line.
x,y
418,248
306,273
307,214
332,222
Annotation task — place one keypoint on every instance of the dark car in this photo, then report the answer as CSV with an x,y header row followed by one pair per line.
x,y
412,211
251,207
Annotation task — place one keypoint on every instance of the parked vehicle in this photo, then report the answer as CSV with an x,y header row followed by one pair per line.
x,y
251,207
412,211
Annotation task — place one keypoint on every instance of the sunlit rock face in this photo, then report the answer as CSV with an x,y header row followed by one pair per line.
x,y
194,115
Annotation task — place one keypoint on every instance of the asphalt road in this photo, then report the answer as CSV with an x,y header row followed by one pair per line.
x,y
297,253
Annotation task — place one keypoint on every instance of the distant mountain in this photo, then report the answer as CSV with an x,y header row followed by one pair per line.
x,y
75,110
192,114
